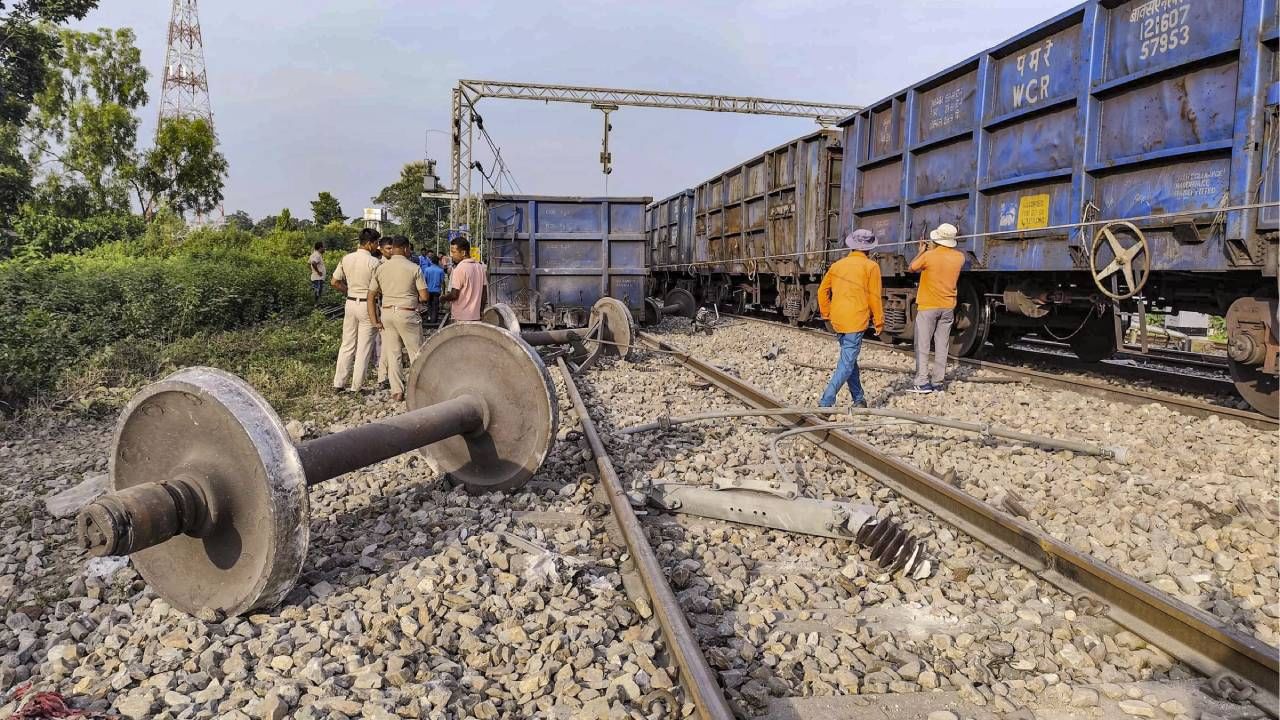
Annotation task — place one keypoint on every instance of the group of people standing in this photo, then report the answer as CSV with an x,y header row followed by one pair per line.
x,y
387,289
849,298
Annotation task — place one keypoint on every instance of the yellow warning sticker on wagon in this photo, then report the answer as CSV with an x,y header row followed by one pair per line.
x,y
1033,211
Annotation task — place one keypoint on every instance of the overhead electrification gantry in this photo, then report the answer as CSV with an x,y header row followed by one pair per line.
x,y
469,92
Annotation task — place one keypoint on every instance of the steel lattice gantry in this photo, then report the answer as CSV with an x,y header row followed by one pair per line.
x,y
469,92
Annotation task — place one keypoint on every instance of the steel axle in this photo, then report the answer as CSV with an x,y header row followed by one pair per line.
x,y
611,330
210,493
679,302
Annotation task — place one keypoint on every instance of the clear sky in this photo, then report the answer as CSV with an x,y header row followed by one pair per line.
x,y
337,95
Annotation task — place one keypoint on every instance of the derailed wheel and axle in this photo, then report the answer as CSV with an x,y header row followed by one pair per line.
x,y
210,493
610,331
678,302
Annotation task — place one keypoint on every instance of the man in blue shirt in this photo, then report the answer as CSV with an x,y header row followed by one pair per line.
x,y
434,275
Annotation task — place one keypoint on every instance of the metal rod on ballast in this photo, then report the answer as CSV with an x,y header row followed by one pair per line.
x,y
1116,453
333,455
700,681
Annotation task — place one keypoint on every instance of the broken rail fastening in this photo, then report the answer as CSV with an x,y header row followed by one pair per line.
x,y
1187,634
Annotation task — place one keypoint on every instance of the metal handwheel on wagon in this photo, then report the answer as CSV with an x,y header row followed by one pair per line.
x,y
210,493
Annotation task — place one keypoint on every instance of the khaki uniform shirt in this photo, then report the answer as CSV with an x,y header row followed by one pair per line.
x,y
357,270
399,281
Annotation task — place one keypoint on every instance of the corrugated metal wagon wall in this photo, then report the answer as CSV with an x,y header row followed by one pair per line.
x,y
1143,108
777,213
551,258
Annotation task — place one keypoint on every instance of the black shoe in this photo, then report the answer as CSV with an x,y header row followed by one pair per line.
x,y
860,403
339,390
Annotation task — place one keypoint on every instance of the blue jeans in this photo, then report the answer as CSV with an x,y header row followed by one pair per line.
x,y
846,370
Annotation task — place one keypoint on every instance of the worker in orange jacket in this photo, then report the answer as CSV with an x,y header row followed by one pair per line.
x,y
849,298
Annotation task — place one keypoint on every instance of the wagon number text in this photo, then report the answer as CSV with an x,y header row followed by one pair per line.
x,y
1166,32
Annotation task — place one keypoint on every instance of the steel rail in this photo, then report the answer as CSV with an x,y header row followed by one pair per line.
x,y
1188,634
1164,355
1084,386
699,680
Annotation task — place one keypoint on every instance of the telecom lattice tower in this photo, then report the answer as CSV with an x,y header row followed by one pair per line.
x,y
185,92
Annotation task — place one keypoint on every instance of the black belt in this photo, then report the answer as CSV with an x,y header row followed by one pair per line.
x,y
355,299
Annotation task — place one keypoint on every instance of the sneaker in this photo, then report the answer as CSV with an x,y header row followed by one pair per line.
x,y
921,389
860,403
937,387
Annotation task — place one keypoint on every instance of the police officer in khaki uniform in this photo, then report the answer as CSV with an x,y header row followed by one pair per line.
x,y
352,278
399,287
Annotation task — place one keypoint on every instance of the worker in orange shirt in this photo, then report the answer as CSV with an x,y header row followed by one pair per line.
x,y
939,265
849,298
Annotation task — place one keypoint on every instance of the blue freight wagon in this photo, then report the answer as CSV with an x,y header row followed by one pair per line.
x,y
552,258
1115,155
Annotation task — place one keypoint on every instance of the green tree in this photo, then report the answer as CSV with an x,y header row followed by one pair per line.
x,y
417,217
28,44
266,225
326,209
183,170
240,220
284,221
85,124
15,172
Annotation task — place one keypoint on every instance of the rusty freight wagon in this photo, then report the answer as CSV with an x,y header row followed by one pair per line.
x,y
759,233
1117,156
552,258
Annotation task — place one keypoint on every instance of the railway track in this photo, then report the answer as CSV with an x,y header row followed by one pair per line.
x,y
1088,386
513,605
1134,353
1187,634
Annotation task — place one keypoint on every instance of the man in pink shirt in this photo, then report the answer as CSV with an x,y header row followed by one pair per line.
x,y
467,283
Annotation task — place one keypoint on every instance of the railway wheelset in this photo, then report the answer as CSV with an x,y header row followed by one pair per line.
x,y
209,492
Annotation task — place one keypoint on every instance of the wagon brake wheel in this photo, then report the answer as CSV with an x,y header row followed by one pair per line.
x,y
1124,260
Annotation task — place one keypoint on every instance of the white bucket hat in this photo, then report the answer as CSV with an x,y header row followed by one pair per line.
x,y
860,239
945,235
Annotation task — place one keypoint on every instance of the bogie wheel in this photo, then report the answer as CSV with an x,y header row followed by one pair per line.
x,y
1251,323
972,322
1260,390
501,315
212,426
521,416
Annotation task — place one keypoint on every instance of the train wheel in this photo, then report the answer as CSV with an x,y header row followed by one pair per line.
x,y
973,322
1250,337
1096,341
1260,390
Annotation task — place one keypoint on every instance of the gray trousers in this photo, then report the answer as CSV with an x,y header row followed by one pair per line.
x,y
933,327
